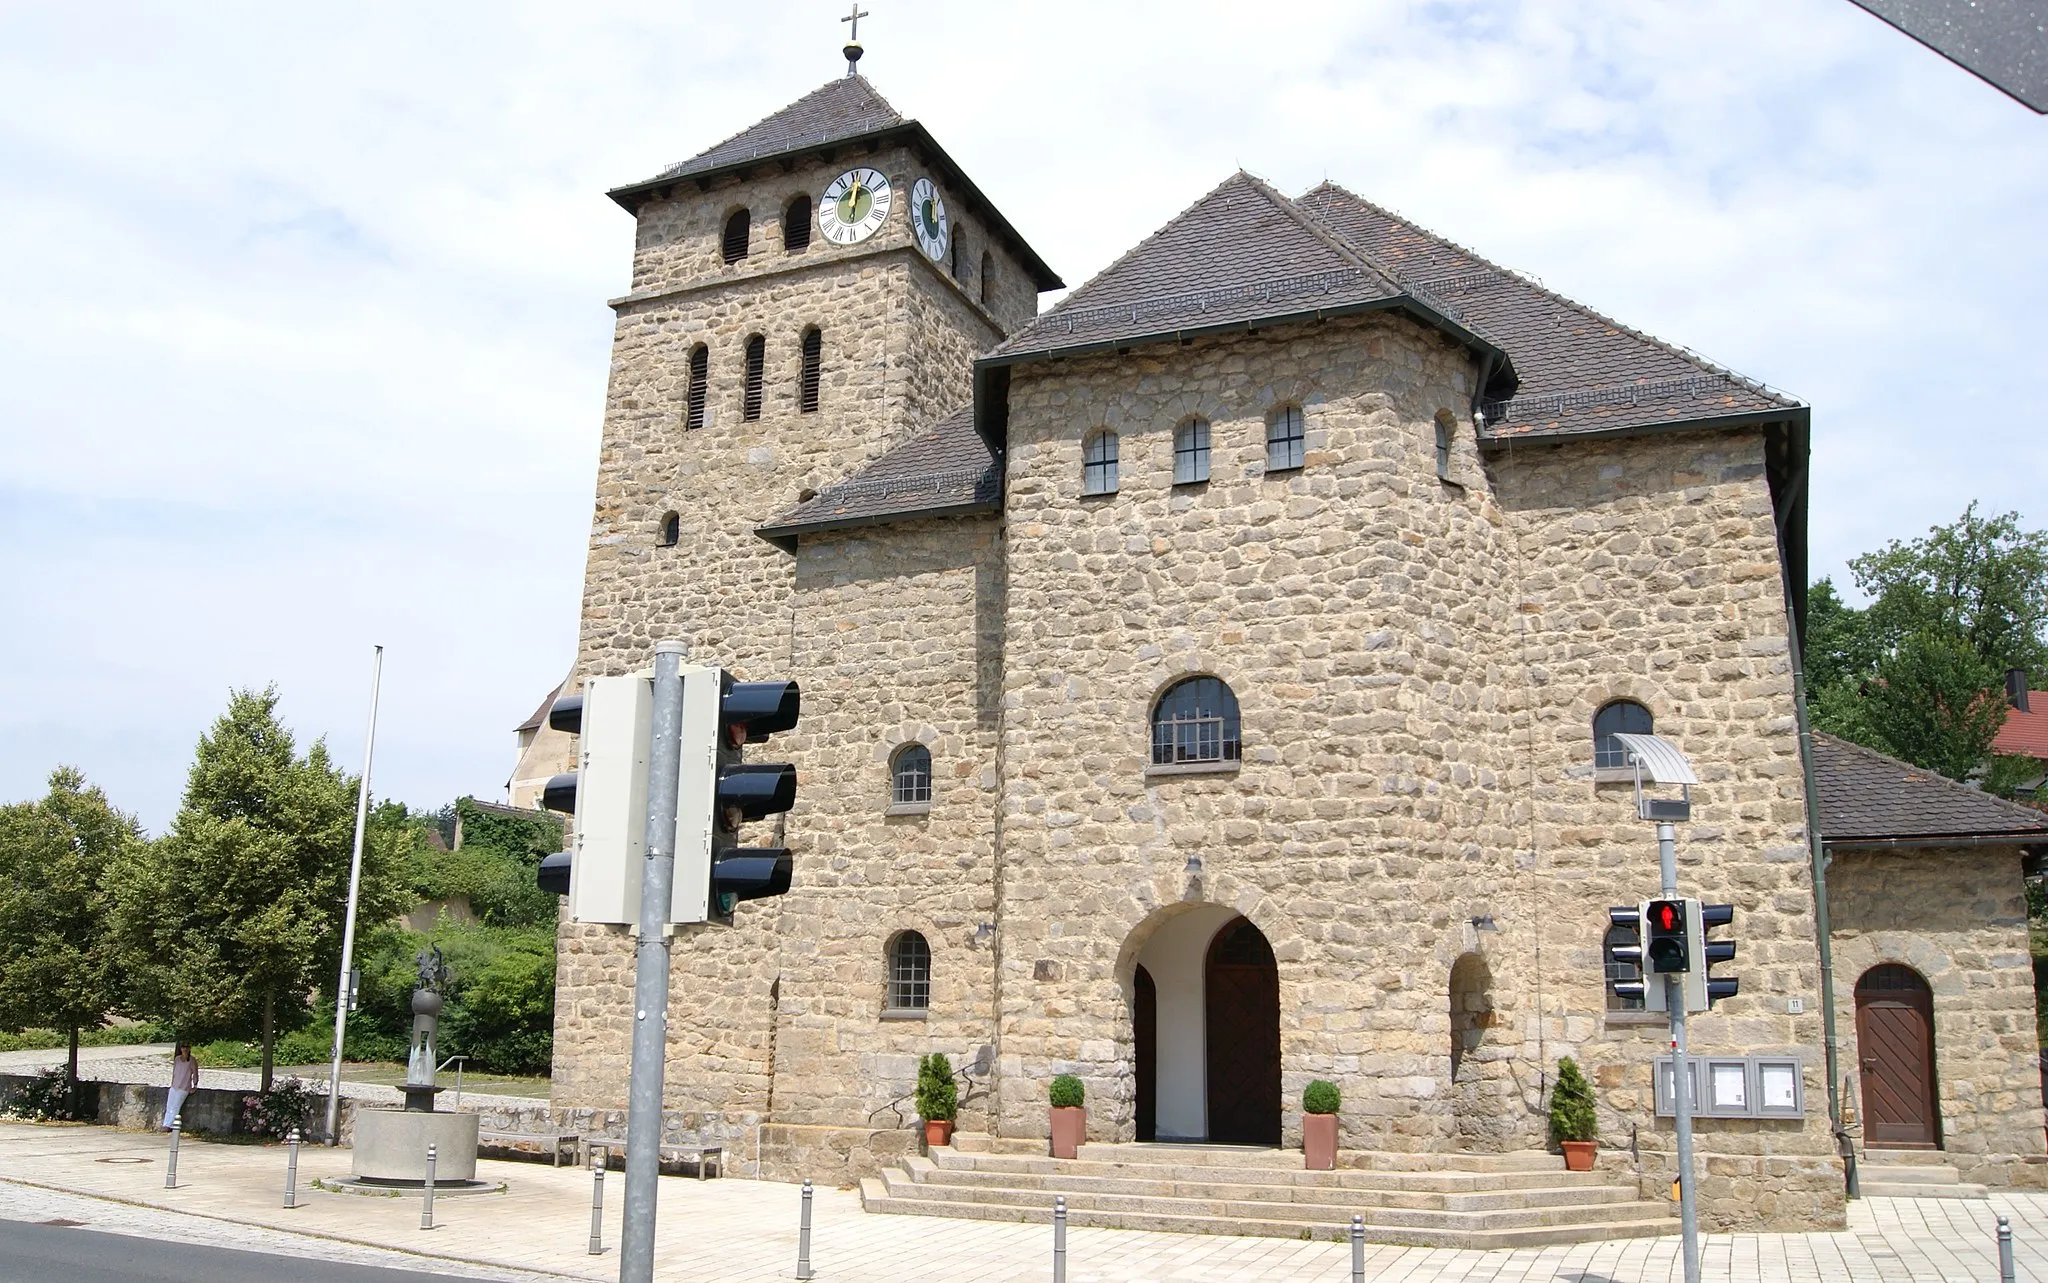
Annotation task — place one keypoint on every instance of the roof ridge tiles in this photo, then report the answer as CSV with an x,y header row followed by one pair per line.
x,y
1120,260
775,127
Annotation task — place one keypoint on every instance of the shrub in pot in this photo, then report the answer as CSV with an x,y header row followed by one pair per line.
x,y
1320,1101
1069,1118
938,1098
1574,1123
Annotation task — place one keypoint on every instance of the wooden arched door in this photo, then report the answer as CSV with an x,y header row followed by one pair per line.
x,y
1145,1040
1895,1042
1241,1000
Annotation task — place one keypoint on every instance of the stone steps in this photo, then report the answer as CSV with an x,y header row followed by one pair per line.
x,y
1912,1173
1440,1181
1225,1187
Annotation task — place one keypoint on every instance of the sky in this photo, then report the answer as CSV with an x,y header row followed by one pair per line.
x,y
303,335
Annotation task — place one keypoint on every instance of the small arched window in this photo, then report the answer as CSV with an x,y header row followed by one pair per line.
x,y
700,384
1623,716
910,776
807,378
1191,451
1284,439
796,226
1098,463
1618,971
988,278
750,396
737,230
1445,421
671,530
910,973
1194,722
958,249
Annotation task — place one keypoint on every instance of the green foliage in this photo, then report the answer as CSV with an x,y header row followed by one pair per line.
x,y
1321,1097
111,1036
499,1007
1572,1115
48,1095
1934,703
494,868
938,1096
1066,1092
55,857
286,1107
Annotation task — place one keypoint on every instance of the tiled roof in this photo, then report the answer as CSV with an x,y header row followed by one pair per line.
x,y
540,715
2024,734
844,108
945,468
1865,795
1578,370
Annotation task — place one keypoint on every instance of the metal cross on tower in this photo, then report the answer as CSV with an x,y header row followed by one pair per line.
x,y
853,49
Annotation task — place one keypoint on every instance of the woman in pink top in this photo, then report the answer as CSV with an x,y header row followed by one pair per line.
x,y
184,1077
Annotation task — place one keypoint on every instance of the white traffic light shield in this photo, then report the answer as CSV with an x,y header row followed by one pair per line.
x,y
696,795
611,799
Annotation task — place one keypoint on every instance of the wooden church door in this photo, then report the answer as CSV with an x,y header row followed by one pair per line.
x,y
1145,1037
1895,1039
1242,1033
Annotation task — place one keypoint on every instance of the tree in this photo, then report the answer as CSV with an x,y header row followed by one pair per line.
x,y
234,917
55,856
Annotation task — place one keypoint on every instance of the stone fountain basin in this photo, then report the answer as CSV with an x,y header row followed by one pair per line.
x,y
391,1146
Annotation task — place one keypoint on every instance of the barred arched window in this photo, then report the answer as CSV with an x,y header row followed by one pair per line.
x,y
1284,439
1098,463
671,530
1623,716
1191,451
910,973
1196,721
1617,971
796,226
700,383
807,379
750,396
988,278
737,230
910,775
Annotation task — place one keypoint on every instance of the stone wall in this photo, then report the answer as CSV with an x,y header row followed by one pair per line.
x,y
1959,918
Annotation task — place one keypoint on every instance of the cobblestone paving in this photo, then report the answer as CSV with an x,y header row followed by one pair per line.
x,y
231,1195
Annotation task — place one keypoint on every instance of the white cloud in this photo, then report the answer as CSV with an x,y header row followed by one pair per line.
x,y
303,344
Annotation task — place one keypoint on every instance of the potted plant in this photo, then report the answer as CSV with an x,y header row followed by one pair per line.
x,y
1320,1101
1069,1118
1573,1121
938,1099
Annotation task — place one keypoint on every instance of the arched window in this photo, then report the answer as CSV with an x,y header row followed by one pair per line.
x,y
750,395
1195,721
959,251
700,383
807,380
1623,716
1284,439
910,776
737,229
1445,422
1191,451
796,226
910,973
1617,971
1471,1008
671,530
1098,463
988,278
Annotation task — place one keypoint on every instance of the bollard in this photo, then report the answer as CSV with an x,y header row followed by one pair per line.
x,y
427,1202
1357,1249
1059,1239
597,1161
171,1167
2005,1266
291,1168
803,1235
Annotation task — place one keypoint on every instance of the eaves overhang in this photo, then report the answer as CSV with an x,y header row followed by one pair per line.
x,y
785,536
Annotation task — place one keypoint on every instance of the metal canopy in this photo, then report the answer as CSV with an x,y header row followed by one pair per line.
x,y
1659,757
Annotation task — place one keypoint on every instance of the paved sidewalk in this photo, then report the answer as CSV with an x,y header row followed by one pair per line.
x,y
150,1063
732,1229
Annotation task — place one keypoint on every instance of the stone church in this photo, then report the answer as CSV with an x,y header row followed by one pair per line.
x,y
1210,685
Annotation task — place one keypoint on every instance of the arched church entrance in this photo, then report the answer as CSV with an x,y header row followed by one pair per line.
x,y
1243,1000
1205,1030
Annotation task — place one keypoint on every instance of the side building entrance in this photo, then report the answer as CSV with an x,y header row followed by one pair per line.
x,y
1895,1038
1205,1025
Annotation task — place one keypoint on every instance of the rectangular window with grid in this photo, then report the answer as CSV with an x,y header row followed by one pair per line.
x,y
1284,439
1098,464
910,973
1191,452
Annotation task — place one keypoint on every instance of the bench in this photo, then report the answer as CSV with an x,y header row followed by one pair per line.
x,y
553,1140
705,1156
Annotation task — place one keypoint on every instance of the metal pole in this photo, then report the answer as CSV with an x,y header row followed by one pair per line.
x,y
1059,1239
803,1235
1357,1248
427,1195
650,970
348,921
2005,1266
171,1166
291,1169
1674,1001
597,1161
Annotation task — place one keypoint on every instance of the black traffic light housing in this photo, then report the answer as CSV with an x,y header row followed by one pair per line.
x,y
559,794
1668,944
748,713
1711,916
1628,918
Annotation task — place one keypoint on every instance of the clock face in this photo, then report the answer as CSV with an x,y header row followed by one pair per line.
x,y
928,218
855,206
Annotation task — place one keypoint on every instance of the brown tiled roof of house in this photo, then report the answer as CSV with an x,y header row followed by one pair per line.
x,y
1866,796
947,469
2023,734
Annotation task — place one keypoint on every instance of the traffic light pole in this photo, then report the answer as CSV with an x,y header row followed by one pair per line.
x,y
650,970
1674,1002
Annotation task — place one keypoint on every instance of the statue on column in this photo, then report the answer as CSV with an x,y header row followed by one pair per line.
x,y
422,1061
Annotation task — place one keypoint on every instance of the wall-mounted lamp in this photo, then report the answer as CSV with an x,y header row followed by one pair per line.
x,y
984,933
1484,922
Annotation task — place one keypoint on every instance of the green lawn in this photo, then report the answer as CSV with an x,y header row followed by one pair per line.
x,y
390,1073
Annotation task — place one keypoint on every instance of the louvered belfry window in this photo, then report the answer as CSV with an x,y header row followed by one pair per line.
x,y
807,381
700,382
796,225
737,229
750,397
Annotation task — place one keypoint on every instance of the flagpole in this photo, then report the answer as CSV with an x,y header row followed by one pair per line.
x,y
348,929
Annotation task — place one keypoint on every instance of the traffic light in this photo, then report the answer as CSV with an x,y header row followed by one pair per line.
x,y
607,794
1668,945
718,792
1630,918
1713,951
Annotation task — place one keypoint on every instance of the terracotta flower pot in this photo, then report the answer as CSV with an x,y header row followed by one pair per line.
x,y
937,1132
1319,1142
1578,1154
1069,1130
